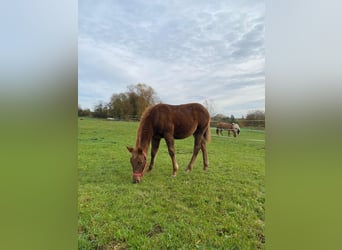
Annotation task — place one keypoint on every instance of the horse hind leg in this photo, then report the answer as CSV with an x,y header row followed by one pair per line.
x,y
197,147
205,155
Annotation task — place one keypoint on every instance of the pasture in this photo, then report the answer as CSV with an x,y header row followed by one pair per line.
x,y
222,208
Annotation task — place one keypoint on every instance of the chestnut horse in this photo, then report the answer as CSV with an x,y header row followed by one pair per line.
x,y
170,122
227,126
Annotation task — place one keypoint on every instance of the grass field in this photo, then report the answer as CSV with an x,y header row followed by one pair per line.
x,y
222,208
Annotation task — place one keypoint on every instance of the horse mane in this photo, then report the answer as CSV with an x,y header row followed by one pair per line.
x,y
144,130
146,113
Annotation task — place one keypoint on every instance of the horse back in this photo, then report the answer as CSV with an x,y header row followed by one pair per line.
x,y
180,120
224,125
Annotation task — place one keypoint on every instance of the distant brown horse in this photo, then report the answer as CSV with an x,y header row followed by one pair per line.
x,y
170,122
227,126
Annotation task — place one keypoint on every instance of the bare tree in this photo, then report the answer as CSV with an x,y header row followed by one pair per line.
x,y
210,106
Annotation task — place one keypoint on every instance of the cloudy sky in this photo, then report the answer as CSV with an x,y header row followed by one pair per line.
x,y
186,50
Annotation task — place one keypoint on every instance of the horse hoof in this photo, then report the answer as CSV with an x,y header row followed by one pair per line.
x,y
173,176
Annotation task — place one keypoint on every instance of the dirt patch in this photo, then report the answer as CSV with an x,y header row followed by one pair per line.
x,y
157,229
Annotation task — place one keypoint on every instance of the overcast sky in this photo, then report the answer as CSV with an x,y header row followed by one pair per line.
x,y
187,51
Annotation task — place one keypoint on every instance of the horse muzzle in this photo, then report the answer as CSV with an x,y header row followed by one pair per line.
x,y
136,178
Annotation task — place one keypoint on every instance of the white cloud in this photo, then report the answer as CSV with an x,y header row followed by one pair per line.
x,y
187,51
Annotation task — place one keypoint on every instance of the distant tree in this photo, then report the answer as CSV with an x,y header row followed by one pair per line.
x,y
218,118
255,119
232,119
141,96
144,91
101,110
120,106
132,103
83,112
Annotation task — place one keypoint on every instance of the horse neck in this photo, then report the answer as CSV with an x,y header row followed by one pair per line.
x,y
144,136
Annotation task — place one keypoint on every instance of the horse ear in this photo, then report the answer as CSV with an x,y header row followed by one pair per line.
x,y
130,149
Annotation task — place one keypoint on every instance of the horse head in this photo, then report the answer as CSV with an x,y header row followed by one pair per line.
x,y
138,162
236,127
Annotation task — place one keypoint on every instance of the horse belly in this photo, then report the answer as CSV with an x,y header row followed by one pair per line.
x,y
184,131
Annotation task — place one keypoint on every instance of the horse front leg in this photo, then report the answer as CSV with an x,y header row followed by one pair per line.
x,y
171,148
154,151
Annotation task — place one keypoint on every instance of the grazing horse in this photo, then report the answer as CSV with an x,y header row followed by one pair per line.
x,y
227,126
170,122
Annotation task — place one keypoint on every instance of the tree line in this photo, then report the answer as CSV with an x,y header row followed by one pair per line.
x,y
255,119
124,106
131,104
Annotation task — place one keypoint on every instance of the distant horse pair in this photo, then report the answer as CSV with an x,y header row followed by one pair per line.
x,y
227,126
170,122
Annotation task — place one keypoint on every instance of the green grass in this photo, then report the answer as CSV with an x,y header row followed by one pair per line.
x,y
222,208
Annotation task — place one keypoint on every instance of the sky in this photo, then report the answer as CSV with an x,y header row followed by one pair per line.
x,y
187,51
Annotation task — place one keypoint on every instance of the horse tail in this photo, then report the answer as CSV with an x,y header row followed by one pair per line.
x,y
207,135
